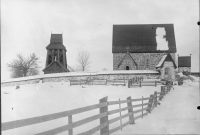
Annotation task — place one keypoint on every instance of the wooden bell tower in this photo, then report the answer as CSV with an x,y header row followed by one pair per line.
x,y
56,61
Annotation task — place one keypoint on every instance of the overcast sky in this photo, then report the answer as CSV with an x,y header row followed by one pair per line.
x,y
26,27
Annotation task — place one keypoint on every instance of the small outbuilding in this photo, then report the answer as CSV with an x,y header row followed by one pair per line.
x,y
184,63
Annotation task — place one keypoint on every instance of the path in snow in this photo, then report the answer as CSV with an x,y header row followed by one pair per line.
x,y
177,114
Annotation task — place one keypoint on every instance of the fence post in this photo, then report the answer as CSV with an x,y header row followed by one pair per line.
x,y
150,104
70,132
155,83
161,93
140,83
130,110
133,80
106,82
169,87
120,114
128,83
104,130
155,97
164,91
142,106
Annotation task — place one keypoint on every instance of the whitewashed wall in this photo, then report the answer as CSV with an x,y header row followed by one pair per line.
x,y
169,65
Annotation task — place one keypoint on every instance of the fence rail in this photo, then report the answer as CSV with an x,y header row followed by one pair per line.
x,y
103,115
40,119
140,82
99,82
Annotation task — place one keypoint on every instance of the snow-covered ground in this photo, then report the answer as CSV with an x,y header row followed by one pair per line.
x,y
176,114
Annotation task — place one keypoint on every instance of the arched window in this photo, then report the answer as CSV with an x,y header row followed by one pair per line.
x,y
127,67
167,73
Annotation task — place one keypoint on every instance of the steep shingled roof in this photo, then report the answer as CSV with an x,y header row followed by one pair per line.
x,y
167,57
141,38
56,42
56,38
161,61
184,61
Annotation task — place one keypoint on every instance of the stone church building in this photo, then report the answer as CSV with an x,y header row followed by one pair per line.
x,y
56,60
143,47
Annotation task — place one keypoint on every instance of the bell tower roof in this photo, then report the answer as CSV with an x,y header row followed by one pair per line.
x,y
56,38
56,42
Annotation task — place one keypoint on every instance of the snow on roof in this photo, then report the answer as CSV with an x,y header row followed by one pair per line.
x,y
161,61
80,74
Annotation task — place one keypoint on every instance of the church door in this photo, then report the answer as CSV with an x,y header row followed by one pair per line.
x,y
167,73
127,67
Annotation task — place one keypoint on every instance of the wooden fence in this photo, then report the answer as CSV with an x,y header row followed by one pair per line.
x,y
99,82
103,105
140,82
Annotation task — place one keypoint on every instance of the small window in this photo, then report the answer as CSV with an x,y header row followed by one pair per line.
x,y
127,67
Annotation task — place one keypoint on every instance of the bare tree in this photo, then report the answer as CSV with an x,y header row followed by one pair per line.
x,y
83,60
21,66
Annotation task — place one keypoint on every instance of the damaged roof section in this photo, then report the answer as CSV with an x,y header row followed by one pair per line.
x,y
144,38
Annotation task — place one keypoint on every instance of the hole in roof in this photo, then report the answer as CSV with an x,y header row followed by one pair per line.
x,y
162,44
